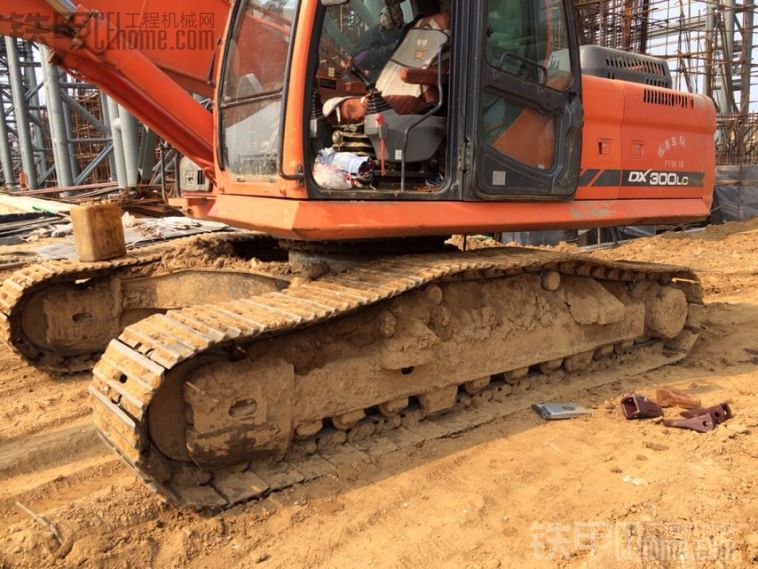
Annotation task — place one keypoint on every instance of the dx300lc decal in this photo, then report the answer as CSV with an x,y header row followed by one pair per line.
x,y
648,178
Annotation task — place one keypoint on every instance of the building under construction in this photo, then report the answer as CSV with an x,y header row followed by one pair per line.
x,y
57,131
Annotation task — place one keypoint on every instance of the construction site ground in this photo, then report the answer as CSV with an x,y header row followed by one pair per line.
x,y
597,491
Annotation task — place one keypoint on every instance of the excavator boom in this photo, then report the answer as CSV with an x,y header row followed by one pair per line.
x,y
146,54
179,37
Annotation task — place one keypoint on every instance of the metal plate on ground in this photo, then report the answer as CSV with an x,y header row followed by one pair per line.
x,y
557,411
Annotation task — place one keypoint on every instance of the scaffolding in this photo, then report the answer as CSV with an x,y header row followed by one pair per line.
x,y
737,142
57,131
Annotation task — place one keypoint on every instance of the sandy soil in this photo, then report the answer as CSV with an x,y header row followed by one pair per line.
x,y
593,492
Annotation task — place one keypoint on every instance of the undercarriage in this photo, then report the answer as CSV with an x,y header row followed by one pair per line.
x,y
60,315
220,403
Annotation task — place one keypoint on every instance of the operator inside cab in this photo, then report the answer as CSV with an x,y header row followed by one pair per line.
x,y
403,87
381,95
382,110
382,99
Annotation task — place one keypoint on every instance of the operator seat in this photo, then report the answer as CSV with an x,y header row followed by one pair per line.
x,y
408,90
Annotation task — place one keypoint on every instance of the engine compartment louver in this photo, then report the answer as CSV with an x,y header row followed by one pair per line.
x,y
668,99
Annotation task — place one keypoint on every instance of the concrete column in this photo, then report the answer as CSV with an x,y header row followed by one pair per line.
x,y
21,112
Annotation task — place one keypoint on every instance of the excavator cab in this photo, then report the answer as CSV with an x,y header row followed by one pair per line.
x,y
395,118
403,99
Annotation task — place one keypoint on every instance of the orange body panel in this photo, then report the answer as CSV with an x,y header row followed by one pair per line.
x,y
629,126
632,134
322,220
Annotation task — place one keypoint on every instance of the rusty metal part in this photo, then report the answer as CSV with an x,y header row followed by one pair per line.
x,y
636,406
702,419
60,315
671,397
719,413
700,423
234,458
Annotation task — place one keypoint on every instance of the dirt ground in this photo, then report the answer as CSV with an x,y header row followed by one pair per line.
x,y
519,492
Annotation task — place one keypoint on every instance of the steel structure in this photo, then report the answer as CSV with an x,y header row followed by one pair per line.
x,y
58,130
52,134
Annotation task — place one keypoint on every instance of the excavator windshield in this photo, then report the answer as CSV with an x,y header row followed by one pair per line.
x,y
250,98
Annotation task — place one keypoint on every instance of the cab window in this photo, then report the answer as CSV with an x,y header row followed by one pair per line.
x,y
251,91
359,34
527,39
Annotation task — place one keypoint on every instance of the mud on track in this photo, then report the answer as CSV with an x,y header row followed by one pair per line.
x,y
482,499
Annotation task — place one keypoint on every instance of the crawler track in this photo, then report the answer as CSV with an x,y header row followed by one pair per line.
x,y
218,461
20,287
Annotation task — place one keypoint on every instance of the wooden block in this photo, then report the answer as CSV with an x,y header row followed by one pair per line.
x,y
98,232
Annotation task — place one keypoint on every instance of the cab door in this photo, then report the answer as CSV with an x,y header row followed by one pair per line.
x,y
525,125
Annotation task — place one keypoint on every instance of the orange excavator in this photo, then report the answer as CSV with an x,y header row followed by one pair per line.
x,y
355,137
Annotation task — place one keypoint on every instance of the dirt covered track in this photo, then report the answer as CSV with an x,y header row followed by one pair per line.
x,y
593,492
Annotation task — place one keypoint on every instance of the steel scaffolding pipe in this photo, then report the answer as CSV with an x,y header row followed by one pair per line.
x,y
37,126
65,85
128,127
21,112
108,131
118,145
56,113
